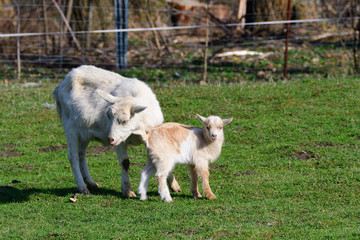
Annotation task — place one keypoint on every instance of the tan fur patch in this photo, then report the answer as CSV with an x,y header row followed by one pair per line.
x,y
168,136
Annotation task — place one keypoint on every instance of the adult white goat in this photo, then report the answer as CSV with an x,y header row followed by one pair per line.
x,y
95,104
171,143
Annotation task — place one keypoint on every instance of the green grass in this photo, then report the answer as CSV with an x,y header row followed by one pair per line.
x,y
289,168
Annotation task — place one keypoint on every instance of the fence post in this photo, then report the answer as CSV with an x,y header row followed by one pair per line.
x,y
287,39
121,16
18,50
206,44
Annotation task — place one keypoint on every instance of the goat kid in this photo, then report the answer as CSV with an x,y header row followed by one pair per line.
x,y
171,143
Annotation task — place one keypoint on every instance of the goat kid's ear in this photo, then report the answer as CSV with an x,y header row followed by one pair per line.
x,y
226,121
137,109
106,96
201,118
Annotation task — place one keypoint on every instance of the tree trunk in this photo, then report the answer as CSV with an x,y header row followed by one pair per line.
x,y
269,10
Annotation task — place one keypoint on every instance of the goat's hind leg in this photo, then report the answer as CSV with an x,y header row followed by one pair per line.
x,y
91,184
174,185
194,182
74,159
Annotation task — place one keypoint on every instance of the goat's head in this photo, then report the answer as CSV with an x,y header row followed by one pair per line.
x,y
213,126
121,115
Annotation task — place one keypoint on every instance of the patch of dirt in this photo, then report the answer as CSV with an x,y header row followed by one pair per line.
x,y
249,172
10,153
324,144
8,145
320,144
52,148
220,167
93,151
305,155
98,149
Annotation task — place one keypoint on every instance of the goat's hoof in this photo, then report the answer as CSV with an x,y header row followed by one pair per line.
x,y
175,187
84,190
196,195
92,185
211,196
143,198
129,194
168,200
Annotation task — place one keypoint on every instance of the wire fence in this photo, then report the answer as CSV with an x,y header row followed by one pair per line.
x,y
180,40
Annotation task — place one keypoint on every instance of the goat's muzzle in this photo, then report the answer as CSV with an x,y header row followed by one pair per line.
x,y
111,140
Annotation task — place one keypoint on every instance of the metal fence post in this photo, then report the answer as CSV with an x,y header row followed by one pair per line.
x,y
121,16
287,39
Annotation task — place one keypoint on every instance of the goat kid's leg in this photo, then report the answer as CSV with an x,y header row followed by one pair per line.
x,y
204,174
84,167
163,188
121,151
174,185
194,182
73,155
146,173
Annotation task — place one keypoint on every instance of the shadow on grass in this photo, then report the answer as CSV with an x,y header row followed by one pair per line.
x,y
9,194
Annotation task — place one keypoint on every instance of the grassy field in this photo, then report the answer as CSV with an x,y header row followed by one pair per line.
x,y
289,168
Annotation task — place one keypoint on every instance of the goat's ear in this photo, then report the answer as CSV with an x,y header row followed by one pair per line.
x,y
137,109
202,119
106,96
227,121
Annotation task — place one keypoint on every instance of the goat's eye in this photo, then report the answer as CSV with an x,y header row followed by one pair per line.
x,y
208,128
124,122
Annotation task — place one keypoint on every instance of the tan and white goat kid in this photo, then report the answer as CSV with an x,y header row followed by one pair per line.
x,y
171,143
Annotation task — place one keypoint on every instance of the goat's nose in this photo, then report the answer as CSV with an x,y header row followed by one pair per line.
x,y
214,136
111,140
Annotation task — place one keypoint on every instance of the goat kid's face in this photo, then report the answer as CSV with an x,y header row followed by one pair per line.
x,y
213,126
121,115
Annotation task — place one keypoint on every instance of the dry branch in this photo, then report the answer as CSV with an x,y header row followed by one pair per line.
x,y
67,24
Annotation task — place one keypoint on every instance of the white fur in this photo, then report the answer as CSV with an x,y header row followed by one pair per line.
x,y
95,104
171,143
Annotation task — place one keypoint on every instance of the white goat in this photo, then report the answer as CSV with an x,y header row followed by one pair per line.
x,y
95,104
171,143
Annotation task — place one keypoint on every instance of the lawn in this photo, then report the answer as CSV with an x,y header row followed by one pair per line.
x,y
289,168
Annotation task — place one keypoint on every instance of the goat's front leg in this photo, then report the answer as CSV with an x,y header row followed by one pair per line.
x,y
204,174
194,182
121,151
146,173
163,188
